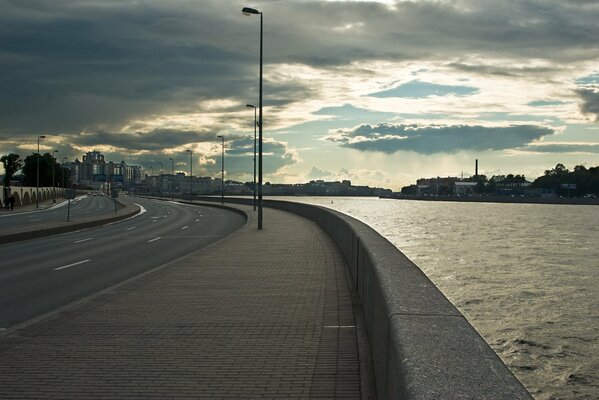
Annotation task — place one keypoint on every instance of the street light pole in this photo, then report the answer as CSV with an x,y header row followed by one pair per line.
x,y
160,179
173,178
255,125
222,171
37,185
64,184
250,11
53,189
190,173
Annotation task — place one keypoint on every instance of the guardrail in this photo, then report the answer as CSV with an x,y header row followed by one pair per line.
x,y
422,346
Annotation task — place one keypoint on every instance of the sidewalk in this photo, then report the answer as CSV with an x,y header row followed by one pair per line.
x,y
259,314
44,204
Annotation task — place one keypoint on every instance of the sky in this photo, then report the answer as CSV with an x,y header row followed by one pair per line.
x,y
378,92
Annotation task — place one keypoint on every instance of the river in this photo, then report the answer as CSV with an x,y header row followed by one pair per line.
x,y
526,276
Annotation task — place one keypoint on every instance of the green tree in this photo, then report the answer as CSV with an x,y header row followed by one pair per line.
x,y
46,163
12,163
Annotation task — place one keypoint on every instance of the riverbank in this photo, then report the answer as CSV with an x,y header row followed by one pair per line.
x,y
503,199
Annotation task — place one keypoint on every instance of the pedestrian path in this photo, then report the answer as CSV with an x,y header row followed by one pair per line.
x,y
259,314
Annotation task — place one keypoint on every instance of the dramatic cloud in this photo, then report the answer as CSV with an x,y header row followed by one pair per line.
x,y
142,81
590,101
432,139
239,157
155,141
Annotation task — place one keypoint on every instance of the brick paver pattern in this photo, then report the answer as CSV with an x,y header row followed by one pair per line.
x,y
259,314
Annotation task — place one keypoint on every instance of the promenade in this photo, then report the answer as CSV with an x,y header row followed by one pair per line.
x,y
258,314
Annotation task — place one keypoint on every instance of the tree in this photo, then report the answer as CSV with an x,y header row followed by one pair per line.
x,y
12,163
47,162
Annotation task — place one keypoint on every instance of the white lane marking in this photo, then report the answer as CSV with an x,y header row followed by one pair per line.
x,y
82,240
339,326
34,220
130,229
71,265
142,210
185,227
154,220
155,239
197,220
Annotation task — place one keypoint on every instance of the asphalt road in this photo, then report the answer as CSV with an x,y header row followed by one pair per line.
x,y
38,276
82,206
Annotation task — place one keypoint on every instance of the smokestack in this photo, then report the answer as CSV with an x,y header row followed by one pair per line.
x,y
476,168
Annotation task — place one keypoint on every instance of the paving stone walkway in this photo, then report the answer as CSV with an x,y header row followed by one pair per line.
x,y
260,314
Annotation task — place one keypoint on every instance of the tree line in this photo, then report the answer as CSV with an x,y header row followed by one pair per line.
x,y
585,180
13,163
579,182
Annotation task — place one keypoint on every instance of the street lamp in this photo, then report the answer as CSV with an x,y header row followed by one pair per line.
x,y
173,178
255,125
160,179
222,171
251,11
190,173
53,189
37,185
64,184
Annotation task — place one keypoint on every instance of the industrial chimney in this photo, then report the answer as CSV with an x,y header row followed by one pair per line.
x,y
476,169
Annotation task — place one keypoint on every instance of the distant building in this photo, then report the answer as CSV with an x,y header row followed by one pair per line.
x,y
512,186
464,188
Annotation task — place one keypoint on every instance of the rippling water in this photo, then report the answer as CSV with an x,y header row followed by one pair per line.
x,y
526,276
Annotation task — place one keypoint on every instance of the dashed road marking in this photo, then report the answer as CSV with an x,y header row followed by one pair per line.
x,y
155,239
71,265
82,240
185,227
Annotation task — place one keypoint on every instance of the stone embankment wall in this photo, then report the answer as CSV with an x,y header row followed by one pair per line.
x,y
422,346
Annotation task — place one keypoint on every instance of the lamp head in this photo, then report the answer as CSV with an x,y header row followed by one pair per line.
x,y
41,137
250,106
249,11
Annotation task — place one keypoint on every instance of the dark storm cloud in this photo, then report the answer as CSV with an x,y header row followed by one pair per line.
x,y
82,65
590,101
432,139
154,141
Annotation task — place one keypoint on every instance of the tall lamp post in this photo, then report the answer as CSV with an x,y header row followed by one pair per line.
x,y
37,185
160,179
222,171
62,170
255,125
53,189
190,173
173,178
251,11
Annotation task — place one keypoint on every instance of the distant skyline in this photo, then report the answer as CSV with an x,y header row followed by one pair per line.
x,y
380,93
